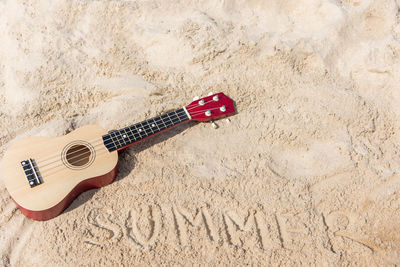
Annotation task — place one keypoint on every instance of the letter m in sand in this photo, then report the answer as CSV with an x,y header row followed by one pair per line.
x,y
238,229
183,218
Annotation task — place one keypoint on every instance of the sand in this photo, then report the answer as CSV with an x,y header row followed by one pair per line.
x,y
306,172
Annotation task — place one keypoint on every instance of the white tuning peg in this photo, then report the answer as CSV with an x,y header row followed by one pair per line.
x,y
210,93
215,98
195,98
214,125
201,102
208,113
223,108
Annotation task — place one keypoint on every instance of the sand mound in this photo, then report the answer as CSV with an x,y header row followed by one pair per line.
x,y
305,173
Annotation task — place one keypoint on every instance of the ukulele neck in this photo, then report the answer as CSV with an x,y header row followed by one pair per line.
x,y
120,139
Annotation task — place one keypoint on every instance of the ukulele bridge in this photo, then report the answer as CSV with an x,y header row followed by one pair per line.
x,y
31,172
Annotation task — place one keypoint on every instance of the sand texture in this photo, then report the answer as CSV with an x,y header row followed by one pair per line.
x,y
306,173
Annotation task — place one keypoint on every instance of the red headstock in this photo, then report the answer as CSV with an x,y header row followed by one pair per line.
x,y
212,107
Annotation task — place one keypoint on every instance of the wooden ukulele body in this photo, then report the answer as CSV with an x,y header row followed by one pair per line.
x,y
62,174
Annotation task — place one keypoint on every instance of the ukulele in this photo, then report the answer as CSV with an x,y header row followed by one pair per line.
x,y
44,175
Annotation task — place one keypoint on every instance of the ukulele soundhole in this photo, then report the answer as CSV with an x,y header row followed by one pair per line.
x,y
78,155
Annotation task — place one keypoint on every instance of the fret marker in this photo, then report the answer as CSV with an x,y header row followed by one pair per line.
x,y
140,130
153,125
124,136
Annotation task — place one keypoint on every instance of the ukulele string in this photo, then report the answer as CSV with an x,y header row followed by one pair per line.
x,y
85,153
55,170
44,170
96,141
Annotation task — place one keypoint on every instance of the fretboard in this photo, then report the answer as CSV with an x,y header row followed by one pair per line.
x,y
124,137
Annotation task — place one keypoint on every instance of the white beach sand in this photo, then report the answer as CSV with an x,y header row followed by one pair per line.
x,y
306,173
